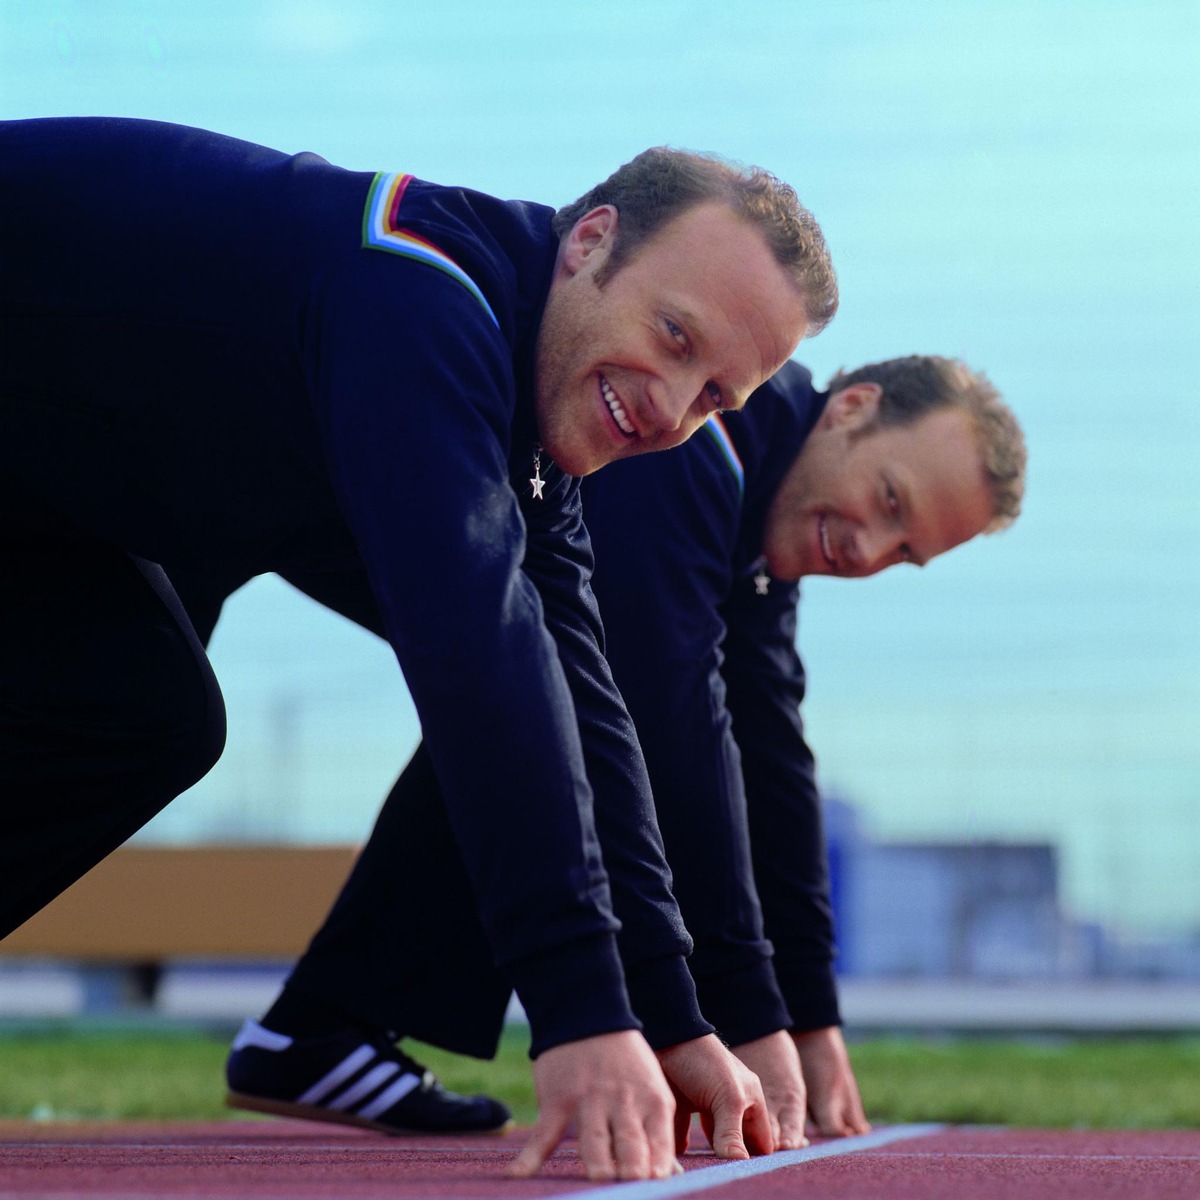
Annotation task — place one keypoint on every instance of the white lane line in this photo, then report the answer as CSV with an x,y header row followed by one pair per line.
x,y
704,1178
1078,1156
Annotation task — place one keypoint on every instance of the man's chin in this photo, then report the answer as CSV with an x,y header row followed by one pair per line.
x,y
576,456
572,460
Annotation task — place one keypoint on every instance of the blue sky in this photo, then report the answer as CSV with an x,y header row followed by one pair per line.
x,y
1012,182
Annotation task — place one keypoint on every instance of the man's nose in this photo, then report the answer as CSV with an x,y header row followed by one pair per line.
x,y
872,548
674,398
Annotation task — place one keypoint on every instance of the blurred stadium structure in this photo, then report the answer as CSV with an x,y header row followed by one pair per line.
x,y
934,937
983,910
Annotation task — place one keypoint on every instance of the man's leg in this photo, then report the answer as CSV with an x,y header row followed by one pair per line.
x,y
403,947
108,710
401,954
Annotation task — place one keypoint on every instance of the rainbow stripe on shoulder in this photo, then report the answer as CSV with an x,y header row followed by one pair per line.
x,y
382,231
715,428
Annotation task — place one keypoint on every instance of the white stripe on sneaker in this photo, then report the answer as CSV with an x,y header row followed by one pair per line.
x,y
254,1034
347,1067
372,1081
389,1096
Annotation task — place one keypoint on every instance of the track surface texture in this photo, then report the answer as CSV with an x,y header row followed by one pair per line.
x,y
234,1159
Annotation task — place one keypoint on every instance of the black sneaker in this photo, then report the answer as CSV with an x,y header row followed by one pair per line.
x,y
353,1079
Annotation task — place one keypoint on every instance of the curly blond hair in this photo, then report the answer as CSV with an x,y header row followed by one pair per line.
x,y
921,383
662,183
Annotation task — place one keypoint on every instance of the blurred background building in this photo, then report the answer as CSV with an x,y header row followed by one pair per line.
x,y
987,910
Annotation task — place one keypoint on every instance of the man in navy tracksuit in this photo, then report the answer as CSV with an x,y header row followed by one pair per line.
x,y
218,360
899,461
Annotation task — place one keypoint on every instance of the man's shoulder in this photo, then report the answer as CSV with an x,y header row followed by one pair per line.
x,y
776,420
787,396
501,251
792,382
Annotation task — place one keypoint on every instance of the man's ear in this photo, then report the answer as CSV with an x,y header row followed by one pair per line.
x,y
590,240
853,408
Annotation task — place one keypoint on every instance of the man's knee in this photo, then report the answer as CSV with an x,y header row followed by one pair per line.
x,y
107,680
167,713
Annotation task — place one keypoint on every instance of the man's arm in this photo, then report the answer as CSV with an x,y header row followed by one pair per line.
x,y
416,393
415,401
664,528
653,943
766,684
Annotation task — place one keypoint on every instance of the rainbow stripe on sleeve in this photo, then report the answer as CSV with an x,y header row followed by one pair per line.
x,y
715,428
382,231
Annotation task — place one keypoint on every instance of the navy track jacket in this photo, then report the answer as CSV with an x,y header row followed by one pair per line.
x,y
708,665
219,356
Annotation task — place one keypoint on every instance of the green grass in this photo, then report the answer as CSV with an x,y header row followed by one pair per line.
x,y
112,1075
1087,1083
1090,1083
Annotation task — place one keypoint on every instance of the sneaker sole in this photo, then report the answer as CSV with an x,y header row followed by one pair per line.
x,y
313,1112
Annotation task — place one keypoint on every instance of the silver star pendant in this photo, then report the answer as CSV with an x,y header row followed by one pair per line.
x,y
537,482
761,579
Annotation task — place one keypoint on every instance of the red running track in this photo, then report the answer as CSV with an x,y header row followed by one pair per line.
x,y
257,1159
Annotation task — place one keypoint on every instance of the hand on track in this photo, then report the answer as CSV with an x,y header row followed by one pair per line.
x,y
707,1079
776,1062
833,1100
613,1089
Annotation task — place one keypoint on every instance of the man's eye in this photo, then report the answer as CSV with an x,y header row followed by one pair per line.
x,y
906,554
893,501
675,331
714,394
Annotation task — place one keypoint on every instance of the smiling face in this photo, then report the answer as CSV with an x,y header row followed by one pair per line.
x,y
695,320
861,496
